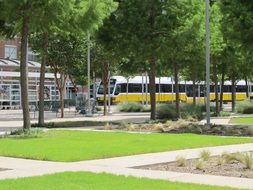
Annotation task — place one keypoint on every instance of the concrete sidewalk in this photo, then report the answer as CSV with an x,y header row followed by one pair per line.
x,y
116,117
217,121
125,166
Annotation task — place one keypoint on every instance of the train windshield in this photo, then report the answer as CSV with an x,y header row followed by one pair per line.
x,y
112,85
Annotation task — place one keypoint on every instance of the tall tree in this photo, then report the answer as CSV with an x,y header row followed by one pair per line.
x,y
23,15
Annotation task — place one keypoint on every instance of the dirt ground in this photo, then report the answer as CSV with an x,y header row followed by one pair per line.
x,y
211,167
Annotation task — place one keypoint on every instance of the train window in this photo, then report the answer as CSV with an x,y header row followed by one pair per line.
x,y
211,88
166,88
240,88
123,88
101,87
134,88
182,88
227,88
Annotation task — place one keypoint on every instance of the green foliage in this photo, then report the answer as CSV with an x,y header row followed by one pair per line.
x,y
190,110
166,111
244,107
131,107
21,133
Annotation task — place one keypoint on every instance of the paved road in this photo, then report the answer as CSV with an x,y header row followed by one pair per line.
x,y
12,119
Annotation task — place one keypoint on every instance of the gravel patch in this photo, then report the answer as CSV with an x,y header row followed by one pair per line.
x,y
212,167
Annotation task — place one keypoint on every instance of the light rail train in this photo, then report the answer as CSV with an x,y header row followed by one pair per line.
x,y
136,89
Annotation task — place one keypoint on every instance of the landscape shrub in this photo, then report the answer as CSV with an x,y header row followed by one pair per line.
x,y
244,107
189,110
131,107
166,111
21,133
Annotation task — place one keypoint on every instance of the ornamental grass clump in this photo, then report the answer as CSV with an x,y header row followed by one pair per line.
x,y
181,161
247,160
221,161
205,155
200,164
158,127
108,126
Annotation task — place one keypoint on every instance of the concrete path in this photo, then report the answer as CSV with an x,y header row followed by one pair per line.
x,y
218,121
127,166
120,117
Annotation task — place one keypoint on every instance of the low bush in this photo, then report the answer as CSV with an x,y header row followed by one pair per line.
x,y
244,107
21,133
131,107
192,111
166,112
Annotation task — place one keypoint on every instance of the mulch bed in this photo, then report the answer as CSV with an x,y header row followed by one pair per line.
x,y
211,167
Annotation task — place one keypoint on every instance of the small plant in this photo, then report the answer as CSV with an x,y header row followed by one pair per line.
x,y
21,133
108,126
227,157
158,127
200,164
205,155
181,161
221,161
98,108
247,160
131,127
224,114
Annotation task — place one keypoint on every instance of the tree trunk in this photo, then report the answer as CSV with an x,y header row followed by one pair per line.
x,y
105,85
175,68
216,88
24,74
127,88
233,94
152,85
42,80
247,87
222,86
62,101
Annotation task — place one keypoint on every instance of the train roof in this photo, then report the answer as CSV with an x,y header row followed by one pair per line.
x,y
139,79
165,80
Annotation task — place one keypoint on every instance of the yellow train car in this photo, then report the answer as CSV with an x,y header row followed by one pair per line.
x,y
136,89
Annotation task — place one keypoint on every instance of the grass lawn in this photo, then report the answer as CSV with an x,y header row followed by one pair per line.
x,y
91,181
242,120
63,145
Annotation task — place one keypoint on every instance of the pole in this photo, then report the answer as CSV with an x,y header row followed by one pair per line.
x,y
142,89
88,114
109,93
207,64
94,87
146,78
